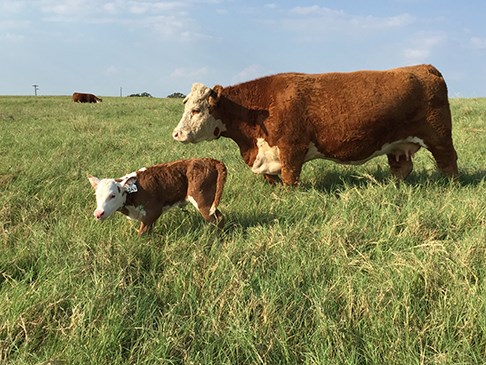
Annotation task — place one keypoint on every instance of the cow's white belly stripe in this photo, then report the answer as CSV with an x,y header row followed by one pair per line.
x,y
268,158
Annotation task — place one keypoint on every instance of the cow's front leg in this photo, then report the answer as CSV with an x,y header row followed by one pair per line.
x,y
292,161
272,179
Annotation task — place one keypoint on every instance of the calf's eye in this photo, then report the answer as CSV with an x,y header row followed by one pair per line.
x,y
195,111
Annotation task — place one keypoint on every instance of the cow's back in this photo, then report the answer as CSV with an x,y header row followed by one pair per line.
x,y
340,98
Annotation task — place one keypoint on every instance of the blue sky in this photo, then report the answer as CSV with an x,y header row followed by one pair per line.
x,y
163,47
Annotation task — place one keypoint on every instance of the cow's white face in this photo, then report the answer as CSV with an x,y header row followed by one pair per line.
x,y
110,196
197,123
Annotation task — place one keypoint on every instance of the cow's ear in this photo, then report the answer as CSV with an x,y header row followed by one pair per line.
x,y
215,95
93,181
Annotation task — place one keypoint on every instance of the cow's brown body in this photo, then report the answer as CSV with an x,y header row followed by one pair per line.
x,y
85,98
279,122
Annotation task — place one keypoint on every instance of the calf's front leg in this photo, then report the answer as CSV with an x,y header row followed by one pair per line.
x,y
144,228
148,221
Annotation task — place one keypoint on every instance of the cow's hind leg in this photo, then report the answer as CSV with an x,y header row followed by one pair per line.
x,y
401,165
446,158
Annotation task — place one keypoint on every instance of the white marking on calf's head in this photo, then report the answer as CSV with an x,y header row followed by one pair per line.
x,y
197,123
110,194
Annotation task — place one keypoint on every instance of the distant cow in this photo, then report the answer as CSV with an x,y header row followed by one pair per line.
x,y
144,194
282,121
86,98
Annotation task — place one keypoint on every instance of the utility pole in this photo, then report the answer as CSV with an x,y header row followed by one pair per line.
x,y
121,93
36,87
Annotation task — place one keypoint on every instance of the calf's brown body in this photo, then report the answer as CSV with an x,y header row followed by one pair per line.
x,y
143,195
162,186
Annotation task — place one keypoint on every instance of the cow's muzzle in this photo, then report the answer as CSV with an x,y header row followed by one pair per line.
x,y
181,136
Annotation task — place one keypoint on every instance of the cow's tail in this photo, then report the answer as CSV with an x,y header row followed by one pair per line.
x,y
220,181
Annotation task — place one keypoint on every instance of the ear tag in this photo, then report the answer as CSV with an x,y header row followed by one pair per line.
x,y
132,188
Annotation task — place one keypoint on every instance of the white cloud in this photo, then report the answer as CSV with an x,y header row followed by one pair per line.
x,y
315,10
14,24
416,55
248,73
12,37
222,11
397,21
9,7
187,73
172,27
167,20
112,70
80,8
271,6
423,46
321,17
478,43
143,7
68,7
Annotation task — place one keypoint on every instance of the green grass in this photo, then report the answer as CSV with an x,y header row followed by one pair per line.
x,y
349,268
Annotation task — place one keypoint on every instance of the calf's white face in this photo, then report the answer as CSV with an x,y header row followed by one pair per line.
x,y
197,123
110,196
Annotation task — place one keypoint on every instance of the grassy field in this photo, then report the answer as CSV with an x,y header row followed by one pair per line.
x,y
349,268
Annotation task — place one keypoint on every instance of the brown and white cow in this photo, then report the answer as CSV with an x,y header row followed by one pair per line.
x,y
145,194
85,98
282,121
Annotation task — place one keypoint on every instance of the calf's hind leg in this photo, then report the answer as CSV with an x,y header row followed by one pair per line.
x,y
216,218
203,203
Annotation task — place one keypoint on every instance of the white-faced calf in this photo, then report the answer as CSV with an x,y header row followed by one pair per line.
x,y
143,195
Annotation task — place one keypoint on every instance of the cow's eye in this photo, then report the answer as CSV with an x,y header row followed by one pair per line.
x,y
112,196
195,111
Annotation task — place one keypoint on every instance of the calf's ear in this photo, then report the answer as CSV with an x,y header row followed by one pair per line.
x,y
129,181
93,180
